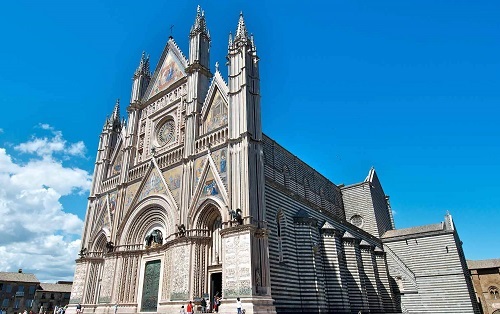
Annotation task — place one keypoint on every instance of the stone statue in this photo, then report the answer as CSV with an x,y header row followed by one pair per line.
x,y
110,246
83,252
236,216
181,230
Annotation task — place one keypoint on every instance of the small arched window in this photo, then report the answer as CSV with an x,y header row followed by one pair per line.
x,y
307,189
280,226
322,197
286,177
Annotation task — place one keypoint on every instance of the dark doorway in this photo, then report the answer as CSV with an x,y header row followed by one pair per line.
x,y
215,285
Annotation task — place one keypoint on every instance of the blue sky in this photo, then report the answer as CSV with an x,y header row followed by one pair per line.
x,y
411,88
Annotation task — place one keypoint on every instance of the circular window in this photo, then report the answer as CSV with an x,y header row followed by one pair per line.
x,y
357,220
166,133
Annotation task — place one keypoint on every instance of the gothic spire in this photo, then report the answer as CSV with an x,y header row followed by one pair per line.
x,y
143,68
200,24
230,39
116,111
241,30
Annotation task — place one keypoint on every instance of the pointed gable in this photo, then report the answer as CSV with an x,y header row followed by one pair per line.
x,y
103,219
209,182
214,112
152,185
169,70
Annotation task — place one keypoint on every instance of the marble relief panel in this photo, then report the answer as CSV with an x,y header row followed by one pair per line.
x,y
180,273
107,281
237,276
78,283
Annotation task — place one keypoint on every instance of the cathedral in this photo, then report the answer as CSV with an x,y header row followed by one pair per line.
x,y
191,201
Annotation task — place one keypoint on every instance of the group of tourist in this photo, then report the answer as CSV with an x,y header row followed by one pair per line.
x,y
205,306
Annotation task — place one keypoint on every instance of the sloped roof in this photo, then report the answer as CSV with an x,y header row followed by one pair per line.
x,y
18,277
56,287
485,263
412,230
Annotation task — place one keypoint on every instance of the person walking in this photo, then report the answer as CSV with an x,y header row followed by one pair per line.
x,y
238,305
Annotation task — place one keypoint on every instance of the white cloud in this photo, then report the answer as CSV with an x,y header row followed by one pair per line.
x,y
46,147
1,130
45,126
36,233
77,149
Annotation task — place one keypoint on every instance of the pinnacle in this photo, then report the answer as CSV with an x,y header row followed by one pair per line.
x,y
200,24
143,67
116,111
241,30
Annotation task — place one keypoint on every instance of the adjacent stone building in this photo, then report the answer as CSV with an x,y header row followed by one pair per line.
x,y
189,199
50,296
21,292
486,279
17,291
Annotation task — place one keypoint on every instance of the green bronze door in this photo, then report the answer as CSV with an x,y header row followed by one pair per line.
x,y
151,286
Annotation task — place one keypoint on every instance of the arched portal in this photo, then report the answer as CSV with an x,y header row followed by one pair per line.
x,y
209,253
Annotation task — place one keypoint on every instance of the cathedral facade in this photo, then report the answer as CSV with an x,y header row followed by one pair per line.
x,y
190,200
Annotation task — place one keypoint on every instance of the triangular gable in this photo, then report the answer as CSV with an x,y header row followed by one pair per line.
x,y
153,183
103,221
209,184
170,69
217,97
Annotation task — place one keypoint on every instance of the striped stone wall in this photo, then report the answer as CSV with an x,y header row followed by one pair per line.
x,y
318,264
439,283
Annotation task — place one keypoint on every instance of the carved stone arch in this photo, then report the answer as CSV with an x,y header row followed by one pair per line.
x,y
210,217
199,215
99,243
154,212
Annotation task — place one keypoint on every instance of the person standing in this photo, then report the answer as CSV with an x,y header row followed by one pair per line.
x,y
238,305
203,305
189,309
78,308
